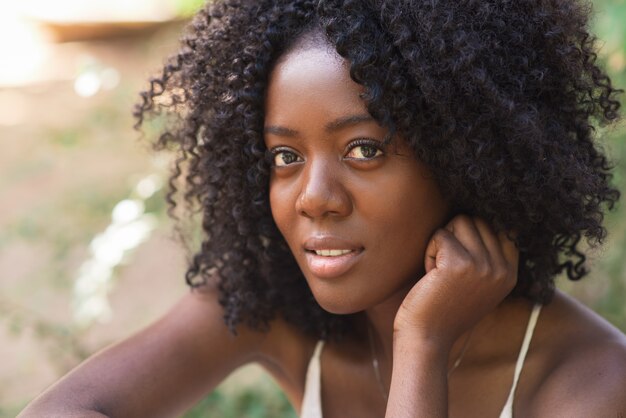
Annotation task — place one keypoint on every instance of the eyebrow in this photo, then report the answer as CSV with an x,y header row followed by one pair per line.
x,y
330,127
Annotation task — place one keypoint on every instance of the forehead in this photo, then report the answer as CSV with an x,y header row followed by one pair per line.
x,y
310,77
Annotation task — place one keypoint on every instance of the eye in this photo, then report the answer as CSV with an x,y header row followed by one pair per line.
x,y
364,149
284,156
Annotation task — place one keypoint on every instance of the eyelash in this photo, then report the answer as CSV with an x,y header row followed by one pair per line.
x,y
377,145
275,152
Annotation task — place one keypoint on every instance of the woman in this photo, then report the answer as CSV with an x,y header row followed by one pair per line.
x,y
388,189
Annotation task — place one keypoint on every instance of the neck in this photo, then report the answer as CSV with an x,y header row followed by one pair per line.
x,y
380,320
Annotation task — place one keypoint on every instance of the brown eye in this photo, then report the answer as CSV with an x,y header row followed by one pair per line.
x,y
284,157
364,152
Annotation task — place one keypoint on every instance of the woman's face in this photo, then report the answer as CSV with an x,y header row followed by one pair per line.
x,y
356,214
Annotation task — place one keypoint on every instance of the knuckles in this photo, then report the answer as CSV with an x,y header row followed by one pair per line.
x,y
500,274
461,219
481,265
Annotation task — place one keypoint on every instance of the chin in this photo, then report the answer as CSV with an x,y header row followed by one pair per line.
x,y
340,310
339,306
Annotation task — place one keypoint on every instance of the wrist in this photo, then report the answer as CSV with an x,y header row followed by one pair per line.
x,y
419,377
433,347
422,336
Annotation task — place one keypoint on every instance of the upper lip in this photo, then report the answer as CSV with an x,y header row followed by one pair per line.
x,y
327,242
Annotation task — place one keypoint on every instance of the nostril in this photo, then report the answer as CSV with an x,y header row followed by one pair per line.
x,y
323,193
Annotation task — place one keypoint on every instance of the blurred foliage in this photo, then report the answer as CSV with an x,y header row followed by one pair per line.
x,y
250,402
610,16
63,346
187,8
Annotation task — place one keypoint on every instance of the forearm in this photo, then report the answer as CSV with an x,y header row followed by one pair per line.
x,y
116,384
51,407
419,386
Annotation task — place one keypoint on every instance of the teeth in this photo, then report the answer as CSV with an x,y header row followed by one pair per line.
x,y
332,253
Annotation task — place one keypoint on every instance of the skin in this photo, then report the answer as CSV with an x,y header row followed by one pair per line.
x,y
324,185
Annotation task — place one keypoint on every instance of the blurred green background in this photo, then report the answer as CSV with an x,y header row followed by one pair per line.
x,y
87,254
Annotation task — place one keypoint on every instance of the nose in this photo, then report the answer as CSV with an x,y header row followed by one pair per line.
x,y
323,193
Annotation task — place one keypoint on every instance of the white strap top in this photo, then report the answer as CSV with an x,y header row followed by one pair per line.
x,y
312,400
507,411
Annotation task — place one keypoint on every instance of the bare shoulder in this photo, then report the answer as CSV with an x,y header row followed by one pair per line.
x,y
281,348
285,353
583,363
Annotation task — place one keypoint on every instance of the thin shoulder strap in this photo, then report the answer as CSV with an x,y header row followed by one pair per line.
x,y
312,400
507,411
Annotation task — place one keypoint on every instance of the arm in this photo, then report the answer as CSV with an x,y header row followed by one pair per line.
x,y
160,371
419,385
469,270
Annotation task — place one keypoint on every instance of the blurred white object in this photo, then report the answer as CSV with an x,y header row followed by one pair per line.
x,y
130,226
149,186
127,211
87,84
68,11
77,20
22,48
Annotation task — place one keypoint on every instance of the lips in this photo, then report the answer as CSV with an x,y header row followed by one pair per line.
x,y
329,257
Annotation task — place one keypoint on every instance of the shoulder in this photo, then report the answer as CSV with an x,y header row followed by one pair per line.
x,y
280,343
282,348
285,352
583,363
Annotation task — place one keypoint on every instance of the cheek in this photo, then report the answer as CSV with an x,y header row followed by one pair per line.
x,y
281,206
405,228
408,214
275,204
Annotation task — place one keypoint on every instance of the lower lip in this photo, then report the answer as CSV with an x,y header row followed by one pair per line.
x,y
329,267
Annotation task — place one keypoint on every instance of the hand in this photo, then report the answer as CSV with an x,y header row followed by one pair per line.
x,y
469,270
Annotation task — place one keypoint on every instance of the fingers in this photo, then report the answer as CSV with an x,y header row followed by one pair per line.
x,y
442,248
492,243
468,234
471,240
509,249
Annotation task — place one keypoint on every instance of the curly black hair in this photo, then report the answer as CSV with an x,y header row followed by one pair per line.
x,y
500,98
